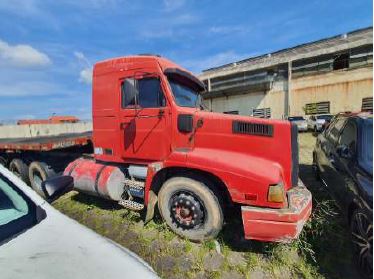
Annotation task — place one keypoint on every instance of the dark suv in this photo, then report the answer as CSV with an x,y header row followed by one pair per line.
x,y
343,160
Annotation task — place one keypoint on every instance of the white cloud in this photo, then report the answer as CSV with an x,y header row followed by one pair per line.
x,y
219,59
22,56
172,5
85,75
228,29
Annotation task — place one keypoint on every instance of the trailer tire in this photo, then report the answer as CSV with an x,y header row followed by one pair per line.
x,y
4,162
20,169
190,209
39,172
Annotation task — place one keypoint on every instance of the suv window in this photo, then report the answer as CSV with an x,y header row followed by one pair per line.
x,y
334,130
146,93
17,212
349,136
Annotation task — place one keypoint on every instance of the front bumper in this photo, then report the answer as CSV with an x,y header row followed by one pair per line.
x,y
279,225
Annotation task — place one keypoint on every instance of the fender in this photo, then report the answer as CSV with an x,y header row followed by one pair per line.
x,y
244,175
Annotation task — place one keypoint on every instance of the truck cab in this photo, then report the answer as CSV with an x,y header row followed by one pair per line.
x,y
155,144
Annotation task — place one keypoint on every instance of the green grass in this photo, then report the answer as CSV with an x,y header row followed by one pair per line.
x,y
322,251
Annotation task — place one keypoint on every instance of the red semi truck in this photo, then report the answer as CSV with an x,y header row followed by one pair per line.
x,y
155,144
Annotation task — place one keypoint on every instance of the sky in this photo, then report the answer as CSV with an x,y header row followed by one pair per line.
x,y
48,47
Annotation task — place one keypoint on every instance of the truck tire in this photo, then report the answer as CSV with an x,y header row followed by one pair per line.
x,y
39,172
190,209
20,169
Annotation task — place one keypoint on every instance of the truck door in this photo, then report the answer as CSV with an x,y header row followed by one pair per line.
x,y
144,120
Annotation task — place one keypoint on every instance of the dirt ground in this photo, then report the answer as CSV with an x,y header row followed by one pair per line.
x,y
323,250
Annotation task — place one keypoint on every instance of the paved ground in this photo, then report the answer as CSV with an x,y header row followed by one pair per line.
x,y
323,250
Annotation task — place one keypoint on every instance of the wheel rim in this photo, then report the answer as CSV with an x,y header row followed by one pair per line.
x,y
187,211
362,237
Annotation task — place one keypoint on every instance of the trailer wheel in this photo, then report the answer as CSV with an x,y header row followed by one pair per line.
x,y
39,172
3,161
190,209
20,169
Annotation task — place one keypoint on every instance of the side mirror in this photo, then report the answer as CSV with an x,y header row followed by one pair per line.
x,y
344,151
55,187
185,123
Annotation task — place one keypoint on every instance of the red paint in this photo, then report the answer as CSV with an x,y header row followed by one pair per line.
x,y
246,164
278,225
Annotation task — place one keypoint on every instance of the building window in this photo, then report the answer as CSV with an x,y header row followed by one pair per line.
x,y
341,61
231,112
317,108
262,113
367,104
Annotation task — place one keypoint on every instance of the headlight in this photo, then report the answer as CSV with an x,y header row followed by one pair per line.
x,y
276,193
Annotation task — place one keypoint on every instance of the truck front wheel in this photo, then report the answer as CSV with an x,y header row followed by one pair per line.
x,y
190,208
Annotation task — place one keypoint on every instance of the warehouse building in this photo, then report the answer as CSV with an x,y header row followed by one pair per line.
x,y
327,76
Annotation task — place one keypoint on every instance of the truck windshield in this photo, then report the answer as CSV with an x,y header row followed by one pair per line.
x,y
185,96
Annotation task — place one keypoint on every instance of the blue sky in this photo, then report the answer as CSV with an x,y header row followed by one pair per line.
x,y
47,47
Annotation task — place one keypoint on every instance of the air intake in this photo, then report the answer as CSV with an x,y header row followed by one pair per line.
x,y
239,127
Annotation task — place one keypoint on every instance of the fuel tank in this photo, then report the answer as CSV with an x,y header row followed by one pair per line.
x,y
97,179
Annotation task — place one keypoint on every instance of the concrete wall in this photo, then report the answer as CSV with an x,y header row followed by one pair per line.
x,y
344,89
35,130
247,101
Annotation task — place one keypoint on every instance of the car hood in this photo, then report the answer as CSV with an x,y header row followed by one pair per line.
x,y
320,121
59,247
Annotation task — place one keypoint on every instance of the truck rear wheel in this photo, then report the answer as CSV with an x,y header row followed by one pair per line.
x,y
39,172
190,208
20,169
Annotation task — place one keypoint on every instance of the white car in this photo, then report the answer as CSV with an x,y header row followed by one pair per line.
x,y
302,124
37,241
317,122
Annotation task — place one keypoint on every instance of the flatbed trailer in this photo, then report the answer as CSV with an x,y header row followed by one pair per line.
x,y
45,143
38,152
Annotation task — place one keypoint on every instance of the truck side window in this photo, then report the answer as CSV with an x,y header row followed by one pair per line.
x,y
146,93
150,93
128,92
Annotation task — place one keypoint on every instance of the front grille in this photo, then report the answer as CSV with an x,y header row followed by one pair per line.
x,y
294,154
239,127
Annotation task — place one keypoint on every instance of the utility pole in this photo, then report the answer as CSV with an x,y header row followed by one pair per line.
x,y
289,90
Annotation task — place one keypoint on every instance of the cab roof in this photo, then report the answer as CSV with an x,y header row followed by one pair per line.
x,y
168,67
120,62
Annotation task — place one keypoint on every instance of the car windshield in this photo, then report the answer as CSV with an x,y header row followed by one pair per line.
x,y
17,213
324,117
366,148
296,118
185,96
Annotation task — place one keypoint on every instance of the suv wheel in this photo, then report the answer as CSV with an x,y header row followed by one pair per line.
x,y
362,239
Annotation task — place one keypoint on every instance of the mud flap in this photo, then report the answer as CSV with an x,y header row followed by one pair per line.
x,y
150,207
